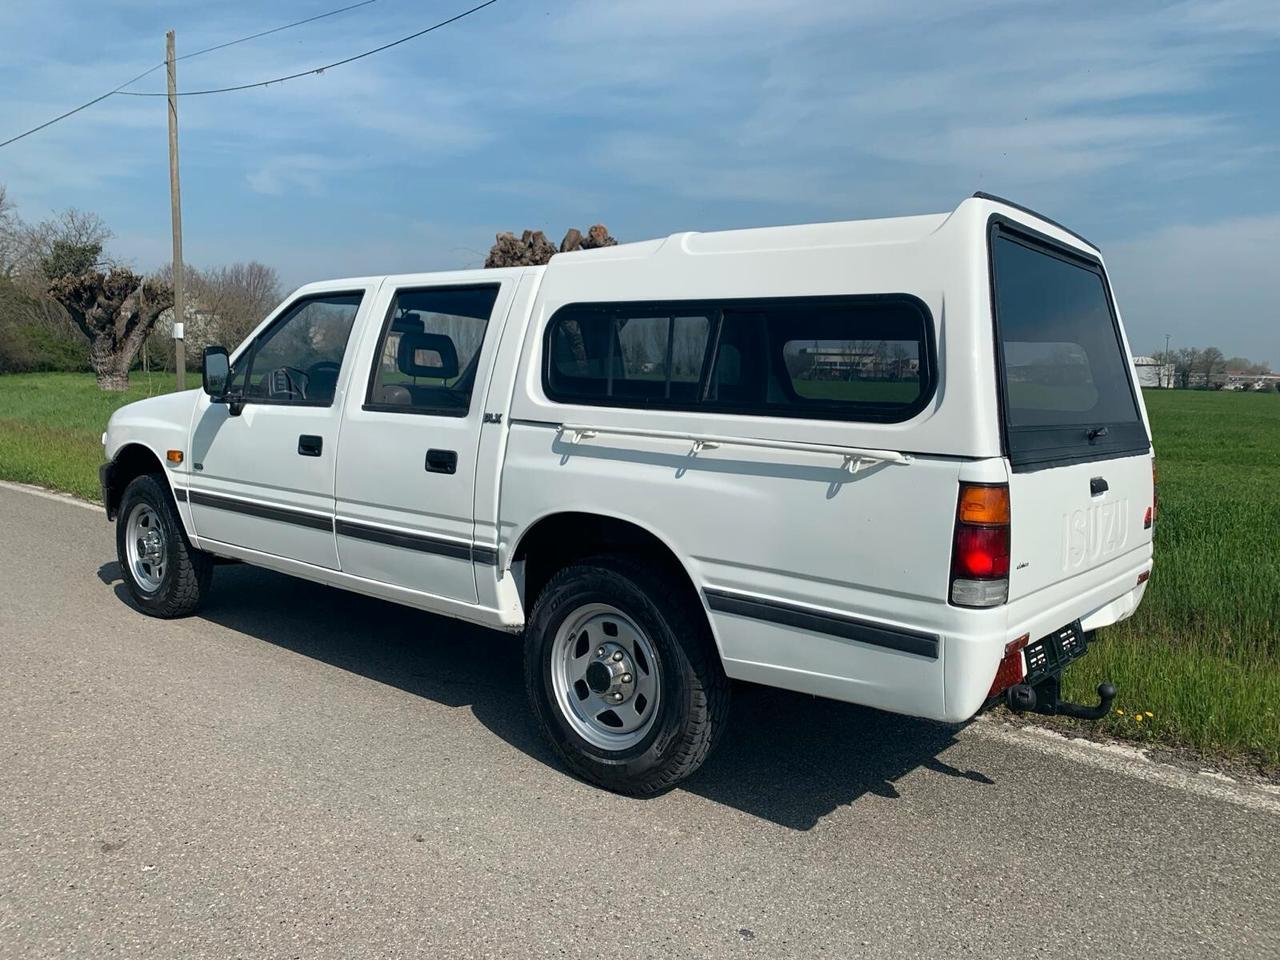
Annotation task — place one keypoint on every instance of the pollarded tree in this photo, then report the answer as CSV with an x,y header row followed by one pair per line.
x,y
116,311
532,248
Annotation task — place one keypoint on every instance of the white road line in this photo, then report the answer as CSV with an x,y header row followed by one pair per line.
x,y
51,495
1133,762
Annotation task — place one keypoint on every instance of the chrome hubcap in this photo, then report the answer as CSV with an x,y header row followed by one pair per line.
x,y
146,547
605,676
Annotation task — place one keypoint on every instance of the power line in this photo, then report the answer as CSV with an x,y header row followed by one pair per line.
x,y
197,53
83,106
315,70
267,33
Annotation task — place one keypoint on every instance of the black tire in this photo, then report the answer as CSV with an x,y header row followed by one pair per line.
x,y
693,705
184,583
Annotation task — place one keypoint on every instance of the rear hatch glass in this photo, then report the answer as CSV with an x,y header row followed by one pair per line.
x,y
1067,393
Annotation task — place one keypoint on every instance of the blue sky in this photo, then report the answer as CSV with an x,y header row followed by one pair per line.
x,y
1152,128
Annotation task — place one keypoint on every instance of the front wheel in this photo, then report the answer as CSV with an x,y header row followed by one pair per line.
x,y
164,574
622,674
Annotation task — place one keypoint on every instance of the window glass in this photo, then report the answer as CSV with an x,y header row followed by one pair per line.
x,y
1063,364
430,350
297,359
619,356
886,371
843,357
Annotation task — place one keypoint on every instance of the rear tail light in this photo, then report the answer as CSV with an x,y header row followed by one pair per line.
x,y
980,550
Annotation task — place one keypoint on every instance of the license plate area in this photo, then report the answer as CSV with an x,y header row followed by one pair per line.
x,y
1047,656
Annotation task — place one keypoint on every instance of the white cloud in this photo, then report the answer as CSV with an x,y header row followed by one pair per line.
x,y
1008,93
1205,284
686,114
298,172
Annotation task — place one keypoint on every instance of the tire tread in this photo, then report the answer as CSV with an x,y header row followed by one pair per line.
x,y
192,569
709,693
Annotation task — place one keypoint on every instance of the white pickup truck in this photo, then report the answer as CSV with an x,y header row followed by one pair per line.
x,y
901,462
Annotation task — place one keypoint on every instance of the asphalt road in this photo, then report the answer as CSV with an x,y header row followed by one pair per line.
x,y
299,772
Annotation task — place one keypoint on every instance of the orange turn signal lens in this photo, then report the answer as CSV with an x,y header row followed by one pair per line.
x,y
983,504
174,456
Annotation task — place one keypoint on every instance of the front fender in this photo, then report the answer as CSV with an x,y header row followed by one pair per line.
x,y
138,438
158,423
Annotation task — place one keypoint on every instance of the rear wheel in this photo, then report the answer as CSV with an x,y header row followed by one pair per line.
x,y
164,574
623,676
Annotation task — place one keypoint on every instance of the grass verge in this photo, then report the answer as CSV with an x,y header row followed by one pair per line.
x,y
1199,664
51,426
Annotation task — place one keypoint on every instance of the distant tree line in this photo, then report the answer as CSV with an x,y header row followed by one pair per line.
x,y
66,304
1205,368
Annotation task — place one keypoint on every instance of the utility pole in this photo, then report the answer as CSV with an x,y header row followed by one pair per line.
x,y
175,198
1167,363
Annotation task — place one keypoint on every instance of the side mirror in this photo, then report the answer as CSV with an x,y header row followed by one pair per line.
x,y
217,372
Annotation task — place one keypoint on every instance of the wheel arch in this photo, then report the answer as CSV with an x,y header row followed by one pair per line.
x,y
133,460
561,537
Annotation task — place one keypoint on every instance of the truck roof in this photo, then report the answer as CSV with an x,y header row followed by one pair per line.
x,y
838,233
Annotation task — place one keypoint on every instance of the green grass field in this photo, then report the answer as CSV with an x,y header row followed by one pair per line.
x,y
1202,653
1199,663
51,426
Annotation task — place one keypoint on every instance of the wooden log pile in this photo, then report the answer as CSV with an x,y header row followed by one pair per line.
x,y
532,248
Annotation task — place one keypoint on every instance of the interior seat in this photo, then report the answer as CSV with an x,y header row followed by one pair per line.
x,y
397,394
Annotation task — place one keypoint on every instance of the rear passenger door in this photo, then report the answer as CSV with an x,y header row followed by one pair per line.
x,y
407,460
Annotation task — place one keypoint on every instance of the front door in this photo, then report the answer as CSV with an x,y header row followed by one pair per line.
x,y
407,465
262,480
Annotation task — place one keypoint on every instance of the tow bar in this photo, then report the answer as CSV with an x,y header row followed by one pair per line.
x,y
1045,697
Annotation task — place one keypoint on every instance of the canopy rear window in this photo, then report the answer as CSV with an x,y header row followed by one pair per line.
x,y
1068,396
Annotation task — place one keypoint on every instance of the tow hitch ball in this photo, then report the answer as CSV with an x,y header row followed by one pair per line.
x,y
1045,697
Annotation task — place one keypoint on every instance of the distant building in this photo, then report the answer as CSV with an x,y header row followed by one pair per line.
x,y
846,363
1233,380
1151,373
1241,380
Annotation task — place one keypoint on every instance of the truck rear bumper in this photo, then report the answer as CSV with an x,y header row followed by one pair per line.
x,y
949,680
1096,600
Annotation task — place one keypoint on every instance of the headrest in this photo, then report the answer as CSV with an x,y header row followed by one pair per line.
x,y
427,355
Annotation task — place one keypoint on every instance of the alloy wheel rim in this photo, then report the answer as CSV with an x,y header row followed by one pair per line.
x,y
604,673
146,547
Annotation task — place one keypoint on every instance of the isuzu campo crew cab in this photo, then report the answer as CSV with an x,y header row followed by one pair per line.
x,y
900,462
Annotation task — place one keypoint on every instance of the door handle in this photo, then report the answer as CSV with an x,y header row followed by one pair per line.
x,y
309,445
442,461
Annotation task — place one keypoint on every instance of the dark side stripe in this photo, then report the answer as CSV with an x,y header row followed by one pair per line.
x,y
836,625
346,528
282,514
417,541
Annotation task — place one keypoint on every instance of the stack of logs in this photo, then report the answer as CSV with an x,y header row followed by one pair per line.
x,y
532,247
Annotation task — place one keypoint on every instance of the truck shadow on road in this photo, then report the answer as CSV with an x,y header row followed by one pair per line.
x,y
785,757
